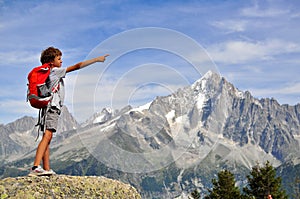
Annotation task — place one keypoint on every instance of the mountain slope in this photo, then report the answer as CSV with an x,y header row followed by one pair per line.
x,y
210,115
15,137
179,142
18,137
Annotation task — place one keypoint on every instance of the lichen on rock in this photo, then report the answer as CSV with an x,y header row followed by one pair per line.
x,y
64,186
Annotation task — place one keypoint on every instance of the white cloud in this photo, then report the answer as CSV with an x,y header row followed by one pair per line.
x,y
258,10
18,57
231,26
13,109
25,29
233,52
295,15
290,89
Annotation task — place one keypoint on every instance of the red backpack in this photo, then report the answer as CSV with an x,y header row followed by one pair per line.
x,y
38,93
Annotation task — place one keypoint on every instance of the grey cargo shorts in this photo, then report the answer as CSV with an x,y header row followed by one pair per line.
x,y
51,120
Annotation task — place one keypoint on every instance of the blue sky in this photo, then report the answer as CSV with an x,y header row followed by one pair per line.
x,y
254,44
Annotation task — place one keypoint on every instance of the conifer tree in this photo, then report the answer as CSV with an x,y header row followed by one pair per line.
x,y
224,187
195,194
296,188
262,181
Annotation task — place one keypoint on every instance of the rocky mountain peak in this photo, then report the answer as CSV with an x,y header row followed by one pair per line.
x,y
67,122
214,106
209,78
20,125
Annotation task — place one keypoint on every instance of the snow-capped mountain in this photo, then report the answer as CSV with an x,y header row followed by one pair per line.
x,y
177,142
104,115
209,116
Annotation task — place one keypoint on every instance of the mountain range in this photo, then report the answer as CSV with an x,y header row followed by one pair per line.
x,y
171,145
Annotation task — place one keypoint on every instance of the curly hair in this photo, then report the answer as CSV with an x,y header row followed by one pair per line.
x,y
49,54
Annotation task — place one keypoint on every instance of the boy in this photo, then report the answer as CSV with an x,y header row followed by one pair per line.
x,y
53,56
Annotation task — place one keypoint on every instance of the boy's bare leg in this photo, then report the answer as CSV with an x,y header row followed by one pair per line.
x,y
43,145
46,158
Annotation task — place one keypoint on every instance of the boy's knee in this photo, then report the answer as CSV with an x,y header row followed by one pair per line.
x,y
48,135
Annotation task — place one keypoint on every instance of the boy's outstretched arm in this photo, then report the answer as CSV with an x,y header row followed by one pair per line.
x,y
86,63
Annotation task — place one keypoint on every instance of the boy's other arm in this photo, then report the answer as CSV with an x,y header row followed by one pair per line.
x,y
86,63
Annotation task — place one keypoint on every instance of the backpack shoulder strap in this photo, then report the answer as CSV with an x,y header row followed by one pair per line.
x,y
42,120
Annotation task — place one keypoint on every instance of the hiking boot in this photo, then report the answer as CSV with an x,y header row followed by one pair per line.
x,y
51,172
39,171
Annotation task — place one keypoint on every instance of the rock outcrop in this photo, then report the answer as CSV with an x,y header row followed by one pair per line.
x,y
63,186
